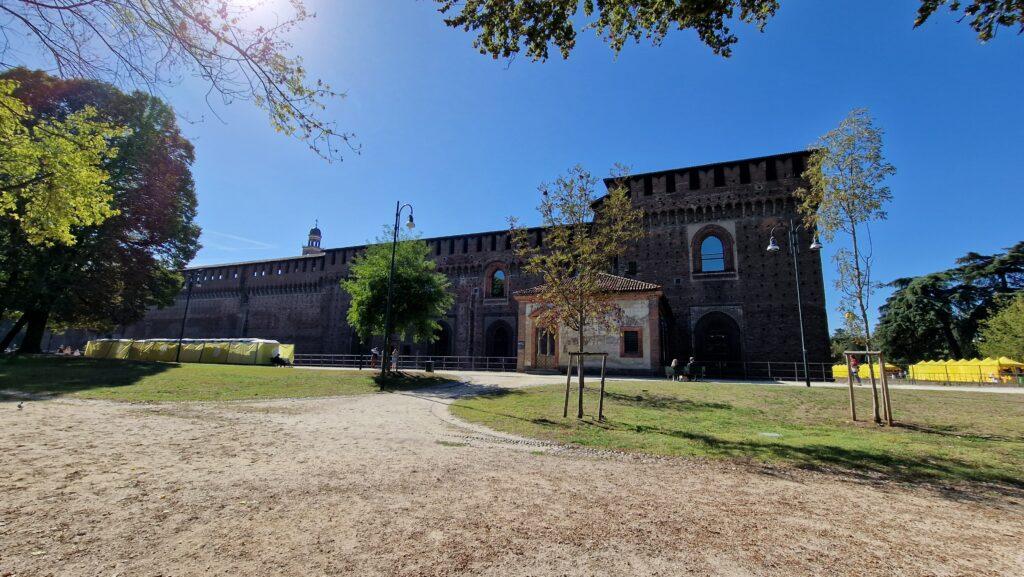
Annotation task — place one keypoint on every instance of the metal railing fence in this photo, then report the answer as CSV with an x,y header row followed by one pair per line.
x,y
405,362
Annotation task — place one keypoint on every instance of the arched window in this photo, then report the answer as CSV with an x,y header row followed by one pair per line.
x,y
712,254
498,284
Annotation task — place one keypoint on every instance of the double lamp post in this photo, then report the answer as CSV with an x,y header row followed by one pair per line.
x,y
794,248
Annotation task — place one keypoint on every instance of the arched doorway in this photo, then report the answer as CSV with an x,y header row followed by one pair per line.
x,y
443,345
716,341
499,340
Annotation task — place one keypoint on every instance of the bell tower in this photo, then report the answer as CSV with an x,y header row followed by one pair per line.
x,y
313,244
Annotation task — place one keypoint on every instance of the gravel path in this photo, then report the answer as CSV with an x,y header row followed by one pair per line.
x,y
391,484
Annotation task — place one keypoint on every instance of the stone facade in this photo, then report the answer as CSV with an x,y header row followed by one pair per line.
x,y
632,346
737,305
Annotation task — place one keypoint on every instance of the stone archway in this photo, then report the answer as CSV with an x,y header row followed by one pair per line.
x,y
498,340
716,339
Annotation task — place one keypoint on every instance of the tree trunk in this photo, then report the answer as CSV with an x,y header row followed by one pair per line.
x,y
579,410
862,305
9,337
33,341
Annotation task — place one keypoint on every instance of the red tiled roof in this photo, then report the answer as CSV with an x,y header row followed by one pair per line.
x,y
607,282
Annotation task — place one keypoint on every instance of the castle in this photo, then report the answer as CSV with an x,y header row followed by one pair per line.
x,y
720,295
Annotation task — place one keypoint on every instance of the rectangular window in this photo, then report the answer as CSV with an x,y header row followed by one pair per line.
x,y
648,185
344,256
334,258
694,179
798,166
631,268
479,244
494,242
632,346
770,170
744,173
508,242
670,182
465,245
451,246
438,248
540,238
719,176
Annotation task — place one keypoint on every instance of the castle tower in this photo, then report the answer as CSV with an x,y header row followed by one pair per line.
x,y
313,244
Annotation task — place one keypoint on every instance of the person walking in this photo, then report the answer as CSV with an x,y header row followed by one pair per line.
x,y
394,359
855,369
673,372
374,355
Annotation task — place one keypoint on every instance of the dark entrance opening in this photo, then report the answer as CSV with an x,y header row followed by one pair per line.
x,y
443,345
717,345
499,340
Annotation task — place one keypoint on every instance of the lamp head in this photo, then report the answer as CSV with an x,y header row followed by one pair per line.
x,y
411,224
772,245
815,245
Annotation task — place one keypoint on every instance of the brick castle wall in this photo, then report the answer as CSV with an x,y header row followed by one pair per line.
x,y
298,299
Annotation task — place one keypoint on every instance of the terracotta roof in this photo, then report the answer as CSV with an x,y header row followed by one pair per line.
x,y
608,282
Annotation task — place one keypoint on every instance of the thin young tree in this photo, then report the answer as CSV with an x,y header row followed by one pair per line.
x,y
847,192
582,234
238,48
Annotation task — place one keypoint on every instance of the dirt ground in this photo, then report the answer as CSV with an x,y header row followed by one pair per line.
x,y
392,485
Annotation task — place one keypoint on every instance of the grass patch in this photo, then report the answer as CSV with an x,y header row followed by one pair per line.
x,y
947,435
142,381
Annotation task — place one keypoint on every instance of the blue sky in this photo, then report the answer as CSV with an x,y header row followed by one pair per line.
x,y
466,139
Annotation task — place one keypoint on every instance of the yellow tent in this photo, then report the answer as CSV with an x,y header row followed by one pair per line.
x,y
163,351
139,350
214,352
265,350
242,353
238,351
119,349
192,352
98,349
841,372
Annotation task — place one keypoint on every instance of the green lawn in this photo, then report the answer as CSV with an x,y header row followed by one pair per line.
x,y
139,381
942,434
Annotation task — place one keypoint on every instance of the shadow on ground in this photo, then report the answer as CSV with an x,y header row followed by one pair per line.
x,y
400,381
934,470
49,376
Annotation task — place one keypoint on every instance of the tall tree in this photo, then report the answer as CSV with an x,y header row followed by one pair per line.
x,y
847,192
505,27
118,268
1002,334
421,294
938,315
581,236
52,177
228,44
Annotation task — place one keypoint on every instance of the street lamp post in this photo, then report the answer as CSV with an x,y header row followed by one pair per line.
x,y
191,280
386,356
794,249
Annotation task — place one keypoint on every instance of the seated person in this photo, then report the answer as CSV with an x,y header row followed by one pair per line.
x,y
277,361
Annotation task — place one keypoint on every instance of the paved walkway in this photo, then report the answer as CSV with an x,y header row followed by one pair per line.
x,y
392,484
517,380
